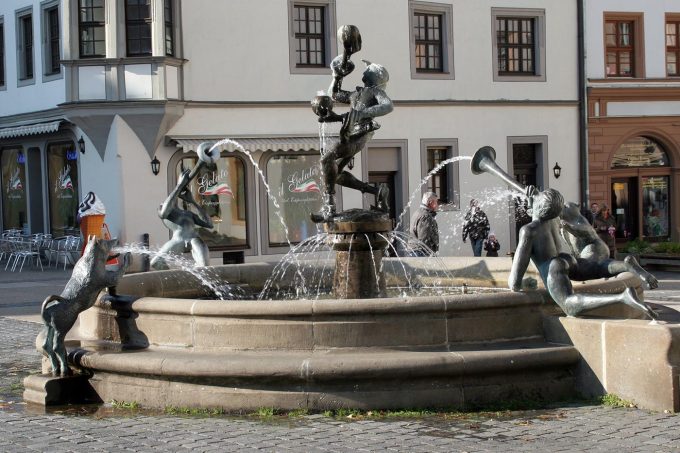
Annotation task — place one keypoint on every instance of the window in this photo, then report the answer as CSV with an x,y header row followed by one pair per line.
x,y
14,206
138,27
308,24
312,39
428,36
91,31
222,194
62,168
673,48
620,58
295,180
25,45
51,38
518,44
439,181
640,152
515,38
445,181
2,53
431,40
169,29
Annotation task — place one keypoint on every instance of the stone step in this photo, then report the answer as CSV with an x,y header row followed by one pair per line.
x,y
367,378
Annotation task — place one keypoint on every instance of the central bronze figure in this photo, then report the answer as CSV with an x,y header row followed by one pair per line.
x,y
358,125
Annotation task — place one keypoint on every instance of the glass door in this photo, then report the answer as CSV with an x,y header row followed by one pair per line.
x,y
625,207
655,206
14,206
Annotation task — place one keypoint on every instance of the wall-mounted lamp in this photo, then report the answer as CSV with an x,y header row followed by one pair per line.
x,y
155,165
81,144
557,170
21,158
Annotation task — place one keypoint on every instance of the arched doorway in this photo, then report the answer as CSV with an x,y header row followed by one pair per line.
x,y
640,189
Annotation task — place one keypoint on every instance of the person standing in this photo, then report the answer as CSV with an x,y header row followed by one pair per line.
x,y
424,226
476,227
605,225
491,245
590,215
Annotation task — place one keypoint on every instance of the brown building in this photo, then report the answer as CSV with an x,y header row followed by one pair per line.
x,y
633,93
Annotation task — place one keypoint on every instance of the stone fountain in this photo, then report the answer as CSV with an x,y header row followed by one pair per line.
x,y
163,342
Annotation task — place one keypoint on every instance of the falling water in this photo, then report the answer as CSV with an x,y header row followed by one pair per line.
x,y
222,289
424,181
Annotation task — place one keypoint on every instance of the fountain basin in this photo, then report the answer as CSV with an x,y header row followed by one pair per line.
x,y
453,351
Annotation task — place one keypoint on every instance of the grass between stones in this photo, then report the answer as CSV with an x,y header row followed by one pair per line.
x,y
500,409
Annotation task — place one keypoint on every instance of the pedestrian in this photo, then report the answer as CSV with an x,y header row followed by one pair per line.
x,y
424,226
605,225
590,215
476,227
491,245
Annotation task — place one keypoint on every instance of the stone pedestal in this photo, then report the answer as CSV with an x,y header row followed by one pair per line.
x,y
359,238
47,390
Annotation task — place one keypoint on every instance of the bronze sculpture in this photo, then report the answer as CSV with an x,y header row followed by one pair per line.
x,y
358,124
183,222
542,242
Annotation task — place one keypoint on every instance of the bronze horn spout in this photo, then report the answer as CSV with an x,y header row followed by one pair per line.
x,y
484,161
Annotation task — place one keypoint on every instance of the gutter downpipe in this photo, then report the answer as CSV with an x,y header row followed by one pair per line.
x,y
583,108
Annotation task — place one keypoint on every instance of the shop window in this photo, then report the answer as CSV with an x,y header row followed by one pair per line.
x,y
91,28
295,181
649,215
14,206
640,152
222,193
62,169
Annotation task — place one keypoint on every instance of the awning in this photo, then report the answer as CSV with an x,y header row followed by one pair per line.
x,y
30,129
253,144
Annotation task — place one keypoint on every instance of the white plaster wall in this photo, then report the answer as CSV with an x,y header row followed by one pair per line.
x,y
255,66
141,191
654,33
39,96
104,178
473,126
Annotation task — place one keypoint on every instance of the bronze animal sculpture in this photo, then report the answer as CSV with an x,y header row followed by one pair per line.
x,y
59,313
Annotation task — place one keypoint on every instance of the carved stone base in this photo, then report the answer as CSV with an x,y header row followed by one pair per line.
x,y
359,238
47,390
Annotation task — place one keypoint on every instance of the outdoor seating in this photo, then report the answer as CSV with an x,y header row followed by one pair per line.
x,y
66,248
21,249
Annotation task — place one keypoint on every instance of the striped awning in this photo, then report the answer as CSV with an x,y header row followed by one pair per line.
x,y
30,129
253,144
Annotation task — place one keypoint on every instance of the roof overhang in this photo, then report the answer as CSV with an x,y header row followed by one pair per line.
x,y
251,144
30,129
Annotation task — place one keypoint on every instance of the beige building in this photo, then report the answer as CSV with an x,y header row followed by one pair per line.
x,y
140,80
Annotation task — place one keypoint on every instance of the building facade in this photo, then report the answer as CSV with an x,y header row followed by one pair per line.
x,y
633,79
149,80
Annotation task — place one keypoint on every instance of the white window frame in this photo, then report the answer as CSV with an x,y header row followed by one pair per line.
x,y
446,11
539,41
46,48
20,14
331,50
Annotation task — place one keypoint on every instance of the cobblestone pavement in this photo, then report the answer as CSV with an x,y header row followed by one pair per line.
x,y
569,428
